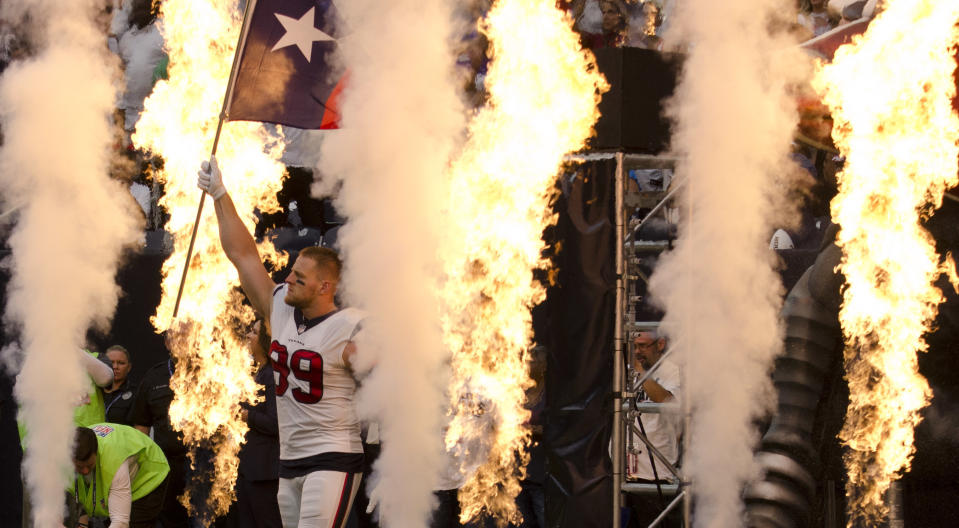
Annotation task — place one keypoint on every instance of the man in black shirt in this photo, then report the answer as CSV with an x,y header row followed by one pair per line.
x,y
151,407
258,476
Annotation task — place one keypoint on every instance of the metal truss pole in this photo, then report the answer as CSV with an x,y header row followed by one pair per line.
x,y
618,371
687,408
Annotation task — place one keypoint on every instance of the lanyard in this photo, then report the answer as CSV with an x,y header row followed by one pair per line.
x,y
76,490
119,394
169,366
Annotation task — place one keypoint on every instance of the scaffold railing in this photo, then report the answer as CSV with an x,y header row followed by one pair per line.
x,y
626,409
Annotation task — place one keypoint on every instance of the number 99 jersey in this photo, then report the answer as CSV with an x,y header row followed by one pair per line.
x,y
314,387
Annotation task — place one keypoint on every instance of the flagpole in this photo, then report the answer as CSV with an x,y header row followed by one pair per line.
x,y
224,116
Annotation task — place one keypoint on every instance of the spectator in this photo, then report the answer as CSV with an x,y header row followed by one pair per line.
x,y
118,398
810,186
852,11
644,22
473,53
814,16
141,49
847,11
815,120
613,24
121,473
587,17
151,406
258,479
662,429
472,63
815,152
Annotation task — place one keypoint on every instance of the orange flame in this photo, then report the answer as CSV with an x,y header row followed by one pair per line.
x,y
543,93
891,94
214,372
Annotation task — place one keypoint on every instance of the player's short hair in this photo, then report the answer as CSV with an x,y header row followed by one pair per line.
x,y
121,348
84,443
326,259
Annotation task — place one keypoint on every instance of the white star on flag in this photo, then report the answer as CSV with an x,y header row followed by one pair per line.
x,y
302,33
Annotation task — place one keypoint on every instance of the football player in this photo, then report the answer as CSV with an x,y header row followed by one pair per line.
x,y
321,456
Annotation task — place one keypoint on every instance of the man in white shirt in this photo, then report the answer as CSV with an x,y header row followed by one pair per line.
x,y
662,429
120,474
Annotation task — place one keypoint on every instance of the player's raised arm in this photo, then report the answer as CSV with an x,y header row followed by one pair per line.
x,y
237,241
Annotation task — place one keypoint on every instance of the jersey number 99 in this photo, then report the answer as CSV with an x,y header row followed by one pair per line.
x,y
305,365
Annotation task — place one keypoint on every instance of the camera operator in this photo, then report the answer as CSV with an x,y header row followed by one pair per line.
x,y
662,429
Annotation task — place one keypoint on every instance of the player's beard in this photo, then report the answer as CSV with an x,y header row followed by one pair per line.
x,y
294,301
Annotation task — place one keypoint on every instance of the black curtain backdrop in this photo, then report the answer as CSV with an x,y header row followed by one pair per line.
x,y
11,494
139,280
580,309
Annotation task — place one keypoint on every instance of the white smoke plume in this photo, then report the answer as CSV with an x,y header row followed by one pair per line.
x,y
401,121
56,116
733,124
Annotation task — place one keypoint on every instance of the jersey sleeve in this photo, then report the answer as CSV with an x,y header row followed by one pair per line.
x,y
356,329
278,309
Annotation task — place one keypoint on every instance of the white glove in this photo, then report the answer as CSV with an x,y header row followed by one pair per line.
x,y
209,179
374,500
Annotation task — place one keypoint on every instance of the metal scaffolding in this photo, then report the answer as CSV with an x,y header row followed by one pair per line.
x,y
626,409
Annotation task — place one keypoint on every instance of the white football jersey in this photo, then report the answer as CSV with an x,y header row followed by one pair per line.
x,y
314,388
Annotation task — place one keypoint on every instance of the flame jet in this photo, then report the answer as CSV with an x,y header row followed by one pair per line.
x,y
543,95
72,223
213,373
891,94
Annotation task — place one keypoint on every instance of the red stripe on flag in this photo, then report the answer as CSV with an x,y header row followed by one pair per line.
x,y
331,116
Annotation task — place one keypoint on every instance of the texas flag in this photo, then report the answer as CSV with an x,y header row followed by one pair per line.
x,y
285,71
